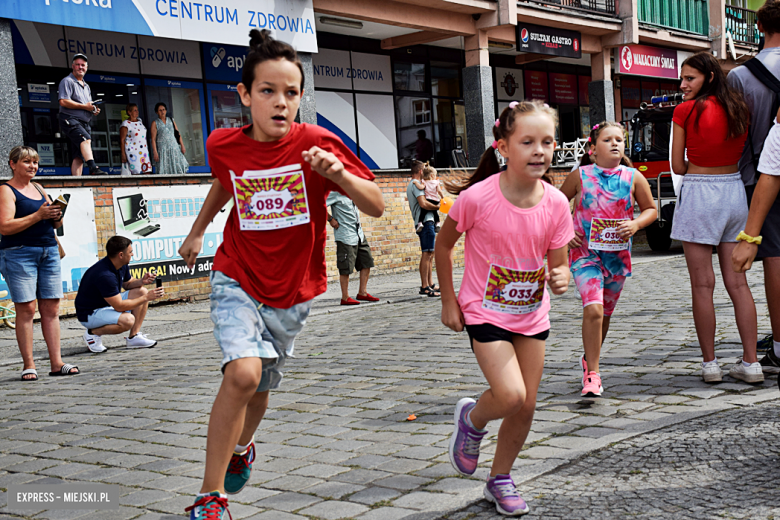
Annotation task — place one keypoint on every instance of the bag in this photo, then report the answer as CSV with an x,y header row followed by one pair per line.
x,y
176,134
771,82
59,246
125,171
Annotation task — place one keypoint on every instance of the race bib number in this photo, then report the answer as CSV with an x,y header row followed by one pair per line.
x,y
604,235
271,199
514,292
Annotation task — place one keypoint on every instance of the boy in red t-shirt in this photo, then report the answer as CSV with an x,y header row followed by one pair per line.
x,y
271,263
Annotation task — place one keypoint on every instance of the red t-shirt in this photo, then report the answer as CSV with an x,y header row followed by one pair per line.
x,y
707,143
285,266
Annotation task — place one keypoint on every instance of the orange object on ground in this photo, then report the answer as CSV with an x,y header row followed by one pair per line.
x,y
446,204
411,417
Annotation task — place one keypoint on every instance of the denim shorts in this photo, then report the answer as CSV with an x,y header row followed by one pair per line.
x,y
32,273
104,316
427,237
711,209
245,328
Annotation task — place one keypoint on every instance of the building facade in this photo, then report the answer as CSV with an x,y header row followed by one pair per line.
x,y
397,80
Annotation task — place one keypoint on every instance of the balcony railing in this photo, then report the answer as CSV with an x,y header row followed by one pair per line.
x,y
742,24
606,7
683,15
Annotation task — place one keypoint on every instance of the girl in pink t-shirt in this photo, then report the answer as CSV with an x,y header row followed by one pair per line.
x,y
512,221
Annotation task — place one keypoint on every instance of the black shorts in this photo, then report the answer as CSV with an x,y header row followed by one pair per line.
x,y
77,131
770,231
486,333
353,257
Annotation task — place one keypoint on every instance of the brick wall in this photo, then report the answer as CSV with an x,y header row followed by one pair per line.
x,y
394,244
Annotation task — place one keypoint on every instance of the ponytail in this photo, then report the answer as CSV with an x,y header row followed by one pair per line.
x,y
488,165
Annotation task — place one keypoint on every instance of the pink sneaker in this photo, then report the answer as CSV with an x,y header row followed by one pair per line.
x,y
591,386
584,366
501,491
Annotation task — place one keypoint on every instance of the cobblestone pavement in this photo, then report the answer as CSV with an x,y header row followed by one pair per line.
x,y
336,442
725,465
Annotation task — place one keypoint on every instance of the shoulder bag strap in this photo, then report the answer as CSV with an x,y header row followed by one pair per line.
x,y
770,81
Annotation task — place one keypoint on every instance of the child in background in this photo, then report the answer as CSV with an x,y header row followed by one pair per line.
x,y
512,220
271,263
605,186
433,194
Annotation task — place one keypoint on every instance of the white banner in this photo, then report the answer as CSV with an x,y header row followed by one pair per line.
x,y
157,220
509,84
78,234
217,21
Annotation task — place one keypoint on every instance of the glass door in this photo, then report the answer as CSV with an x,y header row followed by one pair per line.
x,y
185,104
225,108
115,93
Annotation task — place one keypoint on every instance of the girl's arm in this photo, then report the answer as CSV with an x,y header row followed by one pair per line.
x,y
440,190
364,193
558,273
420,185
571,187
679,164
648,214
451,315
216,199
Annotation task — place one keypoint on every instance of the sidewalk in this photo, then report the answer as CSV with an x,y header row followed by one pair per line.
x,y
336,442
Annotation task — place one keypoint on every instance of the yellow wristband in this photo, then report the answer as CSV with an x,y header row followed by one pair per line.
x,y
744,237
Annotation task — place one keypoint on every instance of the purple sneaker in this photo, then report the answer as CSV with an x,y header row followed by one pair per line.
x,y
465,440
501,490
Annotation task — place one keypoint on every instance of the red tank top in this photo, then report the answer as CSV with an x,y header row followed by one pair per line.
x,y
707,142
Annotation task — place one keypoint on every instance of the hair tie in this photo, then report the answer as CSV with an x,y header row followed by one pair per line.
x,y
498,122
546,105
494,145
513,104
590,152
596,127
588,139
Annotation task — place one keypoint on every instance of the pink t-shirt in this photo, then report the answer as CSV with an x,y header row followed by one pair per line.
x,y
432,189
503,282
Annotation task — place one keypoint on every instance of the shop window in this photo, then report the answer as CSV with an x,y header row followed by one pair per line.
x,y
445,79
184,107
414,138
228,112
409,76
422,111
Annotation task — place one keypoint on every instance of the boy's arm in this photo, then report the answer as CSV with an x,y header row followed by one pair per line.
x,y
764,196
218,196
364,193
451,315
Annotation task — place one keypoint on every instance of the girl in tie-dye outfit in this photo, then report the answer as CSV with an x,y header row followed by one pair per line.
x,y
605,186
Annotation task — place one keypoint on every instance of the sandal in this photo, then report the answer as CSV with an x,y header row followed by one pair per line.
x,y
434,287
431,293
29,371
65,370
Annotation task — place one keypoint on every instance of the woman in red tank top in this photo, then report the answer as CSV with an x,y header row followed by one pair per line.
x,y
711,125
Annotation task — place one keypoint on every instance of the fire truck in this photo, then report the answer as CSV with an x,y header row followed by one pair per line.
x,y
651,130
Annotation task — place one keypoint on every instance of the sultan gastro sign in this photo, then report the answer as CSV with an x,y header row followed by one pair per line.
x,y
546,40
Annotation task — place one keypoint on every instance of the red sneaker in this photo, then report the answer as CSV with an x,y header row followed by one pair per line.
x,y
350,301
367,298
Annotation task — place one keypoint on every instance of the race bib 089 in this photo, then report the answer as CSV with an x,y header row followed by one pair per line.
x,y
512,291
271,199
604,235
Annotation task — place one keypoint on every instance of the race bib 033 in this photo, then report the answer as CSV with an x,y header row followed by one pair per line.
x,y
512,291
271,199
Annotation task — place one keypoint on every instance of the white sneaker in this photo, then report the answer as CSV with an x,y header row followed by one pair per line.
x,y
140,341
419,227
711,373
749,374
94,343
